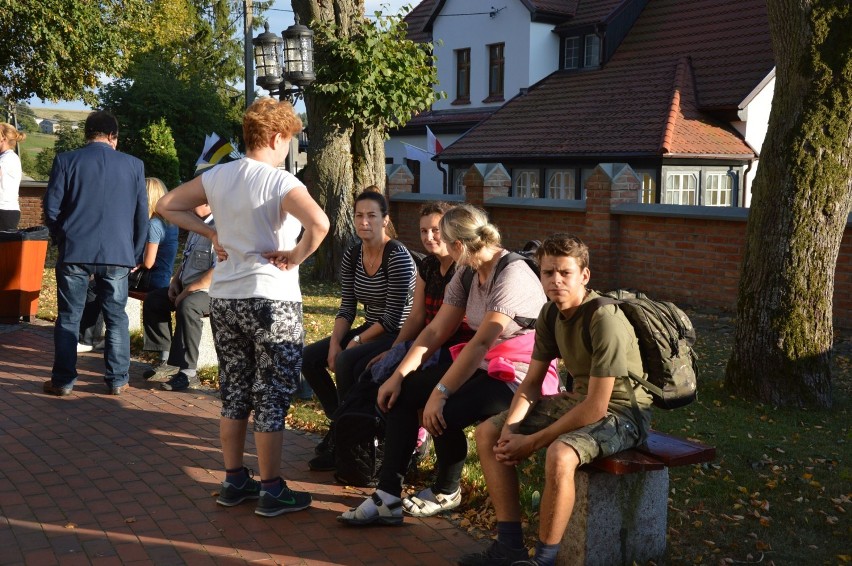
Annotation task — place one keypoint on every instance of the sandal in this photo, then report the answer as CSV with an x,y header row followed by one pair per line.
x,y
384,514
426,503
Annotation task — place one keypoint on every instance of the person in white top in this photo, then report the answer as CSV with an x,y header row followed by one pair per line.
x,y
10,176
256,304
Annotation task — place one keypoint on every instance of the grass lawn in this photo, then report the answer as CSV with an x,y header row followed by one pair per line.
x,y
778,493
35,142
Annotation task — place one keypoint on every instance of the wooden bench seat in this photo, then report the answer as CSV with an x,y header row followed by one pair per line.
x,y
621,504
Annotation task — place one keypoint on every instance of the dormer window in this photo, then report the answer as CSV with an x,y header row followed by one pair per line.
x,y
572,52
592,54
581,51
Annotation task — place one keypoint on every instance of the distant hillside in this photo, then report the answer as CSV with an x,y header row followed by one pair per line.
x,y
73,115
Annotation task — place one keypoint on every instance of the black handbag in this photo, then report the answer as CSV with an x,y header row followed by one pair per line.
x,y
139,280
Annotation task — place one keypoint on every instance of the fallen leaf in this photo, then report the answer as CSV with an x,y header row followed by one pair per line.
x,y
70,525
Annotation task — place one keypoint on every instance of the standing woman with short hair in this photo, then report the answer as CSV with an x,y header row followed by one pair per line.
x,y
10,176
255,299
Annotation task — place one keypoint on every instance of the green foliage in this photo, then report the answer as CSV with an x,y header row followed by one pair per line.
x,y
44,163
160,155
153,90
69,137
58,49
28,164
375,77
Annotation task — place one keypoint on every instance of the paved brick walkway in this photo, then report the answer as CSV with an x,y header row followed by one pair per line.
x,y
95,479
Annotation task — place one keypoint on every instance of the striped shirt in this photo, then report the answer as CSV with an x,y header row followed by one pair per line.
x,y
386,296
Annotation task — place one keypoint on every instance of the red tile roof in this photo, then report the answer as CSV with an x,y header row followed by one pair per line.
x,y
417,20
681,60
592,11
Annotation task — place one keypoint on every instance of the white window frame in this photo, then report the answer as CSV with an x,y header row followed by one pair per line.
x,y
713,189
680,186
592,53
572,46
560,184
459,182
648,192
527,183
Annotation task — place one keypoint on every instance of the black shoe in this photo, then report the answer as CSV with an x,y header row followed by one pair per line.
x,y
497,554
51,389
231,494
327,442
287,501
179,382
323,463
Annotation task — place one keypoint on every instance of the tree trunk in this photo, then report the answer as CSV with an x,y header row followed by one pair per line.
x,y
800,205
342,159
368,158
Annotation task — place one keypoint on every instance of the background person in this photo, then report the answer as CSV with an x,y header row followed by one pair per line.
x,y
158,259
96,209
187,295
10,176
455,395
256,303
385,290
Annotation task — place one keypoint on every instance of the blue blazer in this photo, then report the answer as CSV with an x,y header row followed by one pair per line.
x,y
96,206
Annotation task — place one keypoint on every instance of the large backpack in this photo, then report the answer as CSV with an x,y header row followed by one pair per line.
x,y
525,255
359,432
666,337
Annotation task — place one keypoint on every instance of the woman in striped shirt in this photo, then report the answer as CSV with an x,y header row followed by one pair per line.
x,y
379,273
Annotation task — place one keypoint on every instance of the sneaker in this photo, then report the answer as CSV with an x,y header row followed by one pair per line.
x,y
51,389
287,501
231,494
323,463
497,554
100,345
179,382
160,371
83,348
118,389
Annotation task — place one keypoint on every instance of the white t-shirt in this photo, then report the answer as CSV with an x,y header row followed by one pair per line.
x,y
245,197
10,180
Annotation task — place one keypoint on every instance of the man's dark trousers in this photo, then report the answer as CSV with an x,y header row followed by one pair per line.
x,y
157,323
72,282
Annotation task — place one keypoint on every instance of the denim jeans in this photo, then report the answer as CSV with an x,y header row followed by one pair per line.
x,y
72,281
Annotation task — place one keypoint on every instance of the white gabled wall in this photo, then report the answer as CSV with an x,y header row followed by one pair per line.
x,y
753,128
531,50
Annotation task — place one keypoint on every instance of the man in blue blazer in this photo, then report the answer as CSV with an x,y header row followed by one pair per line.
x,y
96,208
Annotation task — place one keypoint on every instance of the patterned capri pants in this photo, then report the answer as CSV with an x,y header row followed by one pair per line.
x,y
259,345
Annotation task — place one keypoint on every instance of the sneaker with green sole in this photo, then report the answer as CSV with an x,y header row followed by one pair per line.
x,y
287,501
231,494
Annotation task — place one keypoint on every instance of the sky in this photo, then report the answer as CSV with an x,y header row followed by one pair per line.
x,y
280,17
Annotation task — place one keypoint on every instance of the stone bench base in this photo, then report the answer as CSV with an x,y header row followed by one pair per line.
x,y
617,519
621,506
206,349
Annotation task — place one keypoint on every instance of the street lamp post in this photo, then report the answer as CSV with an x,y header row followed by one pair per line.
x,y
285,64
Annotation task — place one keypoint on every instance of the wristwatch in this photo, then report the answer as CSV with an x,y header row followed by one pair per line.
x,y
357,339
443,389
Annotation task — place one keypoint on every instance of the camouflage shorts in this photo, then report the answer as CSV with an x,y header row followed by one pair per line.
x,y
611,434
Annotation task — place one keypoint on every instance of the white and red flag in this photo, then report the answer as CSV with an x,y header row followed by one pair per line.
x,y
433,146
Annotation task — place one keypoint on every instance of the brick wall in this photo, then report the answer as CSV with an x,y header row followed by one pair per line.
x,y
689,255
29,196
